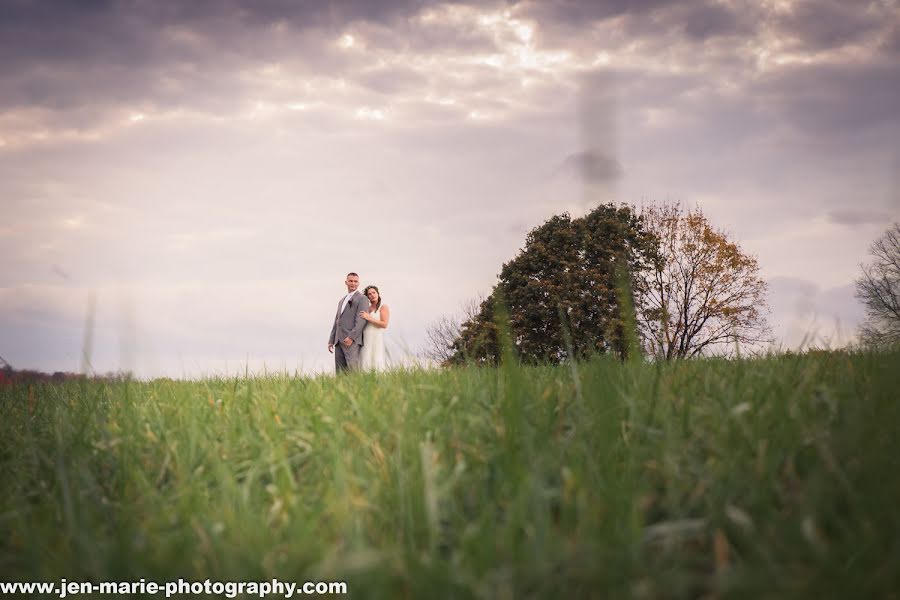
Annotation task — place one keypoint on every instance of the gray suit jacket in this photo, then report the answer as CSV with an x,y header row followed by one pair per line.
x,y
349,323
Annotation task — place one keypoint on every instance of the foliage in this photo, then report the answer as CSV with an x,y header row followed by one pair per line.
x,y
771,478
879,290
441,334
561,290
703,294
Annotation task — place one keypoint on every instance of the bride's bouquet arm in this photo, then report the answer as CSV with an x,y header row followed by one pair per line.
x,y
385,317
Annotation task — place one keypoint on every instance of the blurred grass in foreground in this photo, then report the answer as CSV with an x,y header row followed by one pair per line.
x,y
773,477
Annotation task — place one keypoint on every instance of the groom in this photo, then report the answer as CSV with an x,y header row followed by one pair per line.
x,y
346,333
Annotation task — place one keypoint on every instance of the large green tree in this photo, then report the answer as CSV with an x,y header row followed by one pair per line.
x,y
564,293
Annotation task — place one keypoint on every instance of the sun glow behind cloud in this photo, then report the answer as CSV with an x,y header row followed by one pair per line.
x,y
347,41
516,55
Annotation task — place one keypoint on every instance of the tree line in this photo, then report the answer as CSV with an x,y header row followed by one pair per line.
x,y
11,376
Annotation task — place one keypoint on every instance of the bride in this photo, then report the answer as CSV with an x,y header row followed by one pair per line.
x,y
372,356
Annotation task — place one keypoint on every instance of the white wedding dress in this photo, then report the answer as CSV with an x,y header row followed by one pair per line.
x,y
372,357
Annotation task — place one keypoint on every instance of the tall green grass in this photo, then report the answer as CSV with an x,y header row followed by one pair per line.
x,y
775,477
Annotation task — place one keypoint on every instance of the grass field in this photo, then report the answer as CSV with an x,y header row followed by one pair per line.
x,y
773,477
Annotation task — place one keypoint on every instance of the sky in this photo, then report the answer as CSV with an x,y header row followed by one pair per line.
x,y
185,185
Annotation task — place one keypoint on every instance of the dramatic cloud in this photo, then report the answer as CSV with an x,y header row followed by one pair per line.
x,y
831,24
706,21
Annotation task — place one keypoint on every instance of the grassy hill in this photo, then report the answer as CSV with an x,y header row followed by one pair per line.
x,y
776,477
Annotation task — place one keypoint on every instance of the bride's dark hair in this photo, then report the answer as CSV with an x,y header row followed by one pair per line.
x,y
366,294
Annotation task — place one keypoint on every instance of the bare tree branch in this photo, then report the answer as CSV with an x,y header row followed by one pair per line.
x,y
878,288
443,332
706,292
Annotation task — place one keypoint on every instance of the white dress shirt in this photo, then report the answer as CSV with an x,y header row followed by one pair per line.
x,y
346,300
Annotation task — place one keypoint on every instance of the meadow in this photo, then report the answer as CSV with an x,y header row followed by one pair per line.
x,y
774,477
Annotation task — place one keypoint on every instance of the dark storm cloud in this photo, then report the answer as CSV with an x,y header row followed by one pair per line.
x,y
58,16
891,42
834,99
829,24
81,60
121,31
62,58
706,21
646,23
126,41
580,12
62,54
807,25
334,13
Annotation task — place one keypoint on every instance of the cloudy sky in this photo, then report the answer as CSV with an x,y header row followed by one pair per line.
x,y
203,174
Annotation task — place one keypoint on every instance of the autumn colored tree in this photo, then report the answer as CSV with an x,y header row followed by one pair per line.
x,y
703,294
879,290
562,291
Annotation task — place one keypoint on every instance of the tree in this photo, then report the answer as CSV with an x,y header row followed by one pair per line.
x,y
879,290
442,333
703,292
561,291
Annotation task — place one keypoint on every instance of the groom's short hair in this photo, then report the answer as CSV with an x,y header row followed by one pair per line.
x,y
352,274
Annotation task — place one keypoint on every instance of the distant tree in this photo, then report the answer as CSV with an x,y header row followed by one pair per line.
x,y
879,290
563,290
441,333
703,292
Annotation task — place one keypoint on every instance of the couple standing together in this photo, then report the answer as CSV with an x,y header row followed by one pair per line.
x,y
357,336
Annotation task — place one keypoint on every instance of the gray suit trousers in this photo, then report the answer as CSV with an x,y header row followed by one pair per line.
x,y
346,359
